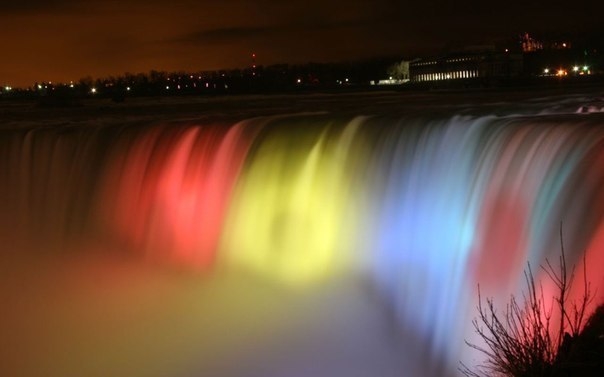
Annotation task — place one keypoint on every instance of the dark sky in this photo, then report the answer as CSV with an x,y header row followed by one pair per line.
x,y
62,40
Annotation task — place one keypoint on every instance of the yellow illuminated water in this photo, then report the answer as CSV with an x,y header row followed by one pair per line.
x,y
289,216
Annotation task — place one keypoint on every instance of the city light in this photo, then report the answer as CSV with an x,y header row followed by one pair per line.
x,y
424,71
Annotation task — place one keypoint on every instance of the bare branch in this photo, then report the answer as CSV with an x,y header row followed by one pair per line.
x,y
520,341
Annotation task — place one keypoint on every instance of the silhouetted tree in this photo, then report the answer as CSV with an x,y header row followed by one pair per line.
x,y
524,342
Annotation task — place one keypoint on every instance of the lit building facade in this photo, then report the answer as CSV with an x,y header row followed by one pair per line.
x,y
466,66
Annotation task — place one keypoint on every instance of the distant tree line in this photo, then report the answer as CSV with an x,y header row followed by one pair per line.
x,y
257,79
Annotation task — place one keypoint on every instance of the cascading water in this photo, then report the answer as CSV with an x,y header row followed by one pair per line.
x,y
319,216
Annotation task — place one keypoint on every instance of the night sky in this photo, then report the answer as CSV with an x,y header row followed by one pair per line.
x,y
63,40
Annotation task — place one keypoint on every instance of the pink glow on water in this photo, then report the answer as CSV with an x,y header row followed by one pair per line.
x,y
594,251
502,224
594,257
502,241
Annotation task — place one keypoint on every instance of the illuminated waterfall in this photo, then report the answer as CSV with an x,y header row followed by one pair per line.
x,y
418,210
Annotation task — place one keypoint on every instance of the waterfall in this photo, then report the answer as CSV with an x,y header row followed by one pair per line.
x,y
412,212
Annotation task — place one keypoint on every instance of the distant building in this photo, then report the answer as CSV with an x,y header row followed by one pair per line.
x,y
564,55
547,42
530,44
467,65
